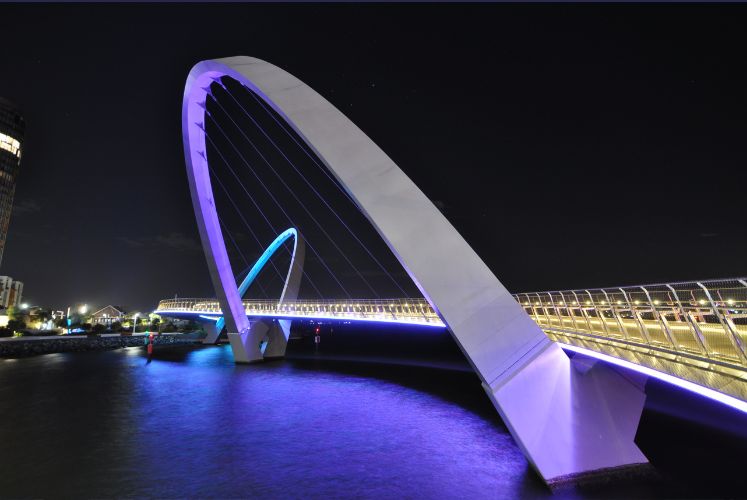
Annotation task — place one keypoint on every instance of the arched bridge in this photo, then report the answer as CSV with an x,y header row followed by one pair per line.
x,y
569,415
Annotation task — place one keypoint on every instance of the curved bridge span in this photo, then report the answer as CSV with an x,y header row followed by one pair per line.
x,y
695,332
402,311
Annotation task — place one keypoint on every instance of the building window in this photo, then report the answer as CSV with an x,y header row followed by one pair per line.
x,y
9,144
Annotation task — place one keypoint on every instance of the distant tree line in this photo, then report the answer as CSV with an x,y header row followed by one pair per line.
x,y
18,321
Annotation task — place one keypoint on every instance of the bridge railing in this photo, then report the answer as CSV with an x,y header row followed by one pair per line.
x,y
706,319
701,319
414,310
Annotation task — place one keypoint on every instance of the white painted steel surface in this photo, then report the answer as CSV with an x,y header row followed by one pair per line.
x,y
566,422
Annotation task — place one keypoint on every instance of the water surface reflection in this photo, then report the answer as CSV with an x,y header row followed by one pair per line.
x,y
191,423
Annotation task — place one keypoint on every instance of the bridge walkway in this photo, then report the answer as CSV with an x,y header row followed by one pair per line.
x,y
695,331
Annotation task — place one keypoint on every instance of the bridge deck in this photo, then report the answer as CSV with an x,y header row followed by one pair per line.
x,y
694,331
409,311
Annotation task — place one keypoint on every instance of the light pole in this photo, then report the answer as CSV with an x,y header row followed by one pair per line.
x,y
134,322
81,310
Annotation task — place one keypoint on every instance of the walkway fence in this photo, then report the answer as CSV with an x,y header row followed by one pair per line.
x,y
396,310
703,319
700,319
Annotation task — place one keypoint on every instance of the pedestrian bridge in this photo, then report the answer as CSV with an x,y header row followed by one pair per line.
x,y
694,331
570,417
403,311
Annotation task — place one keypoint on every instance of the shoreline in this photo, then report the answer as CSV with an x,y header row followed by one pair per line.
x,y
23,347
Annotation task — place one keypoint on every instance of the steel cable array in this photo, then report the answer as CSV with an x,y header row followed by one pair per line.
x,y
224,143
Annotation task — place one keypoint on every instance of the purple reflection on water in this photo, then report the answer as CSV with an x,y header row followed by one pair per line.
x,y
191,423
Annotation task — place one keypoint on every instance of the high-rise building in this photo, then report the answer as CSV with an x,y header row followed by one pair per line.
x,y
11,292
12,128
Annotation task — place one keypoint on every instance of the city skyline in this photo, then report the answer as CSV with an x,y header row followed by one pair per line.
x,y
633,160
385,250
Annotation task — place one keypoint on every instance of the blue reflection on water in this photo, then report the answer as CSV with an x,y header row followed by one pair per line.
x,y
191,423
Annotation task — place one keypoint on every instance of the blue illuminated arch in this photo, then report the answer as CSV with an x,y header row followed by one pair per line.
x,y
295,270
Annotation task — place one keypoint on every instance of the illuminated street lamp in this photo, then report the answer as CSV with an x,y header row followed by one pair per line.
x,y
81,310
24,306
134,322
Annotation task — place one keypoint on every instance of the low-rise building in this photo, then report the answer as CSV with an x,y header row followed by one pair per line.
x,y
11,292
108,315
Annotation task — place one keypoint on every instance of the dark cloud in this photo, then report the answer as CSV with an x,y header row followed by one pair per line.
x,y
26,207
172,241
179,242
131,242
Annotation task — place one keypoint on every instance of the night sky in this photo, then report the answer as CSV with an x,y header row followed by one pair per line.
x,y
572,146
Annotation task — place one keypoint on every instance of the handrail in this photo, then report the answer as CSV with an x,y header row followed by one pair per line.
x,y
406,310
706,319
703,319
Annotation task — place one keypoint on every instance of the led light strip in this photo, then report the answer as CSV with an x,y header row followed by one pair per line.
x,y
435,323
731,401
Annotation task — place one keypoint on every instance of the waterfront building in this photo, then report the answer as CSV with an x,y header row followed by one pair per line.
x,y
12,127
11,292
108,315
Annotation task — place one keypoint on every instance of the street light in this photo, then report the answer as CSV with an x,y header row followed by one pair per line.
x,y
134,322
24,306
81,310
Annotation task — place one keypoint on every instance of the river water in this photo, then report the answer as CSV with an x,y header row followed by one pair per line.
x,y
190,423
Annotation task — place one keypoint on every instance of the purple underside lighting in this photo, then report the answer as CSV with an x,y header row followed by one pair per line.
x,y
731,401
437,324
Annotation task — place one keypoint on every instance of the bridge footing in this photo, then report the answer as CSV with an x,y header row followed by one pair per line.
x,y
211,329
247,347
619,475
570,418
277,339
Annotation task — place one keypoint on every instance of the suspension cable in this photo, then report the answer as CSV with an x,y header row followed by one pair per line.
x,y
316,192
274,199
256,238
246,262
295,197
246,223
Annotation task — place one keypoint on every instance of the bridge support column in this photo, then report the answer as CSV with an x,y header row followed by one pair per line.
x,y
277,339
211,329
246,345
570,418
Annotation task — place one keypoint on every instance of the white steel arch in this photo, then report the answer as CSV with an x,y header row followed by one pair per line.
x,y
568,419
